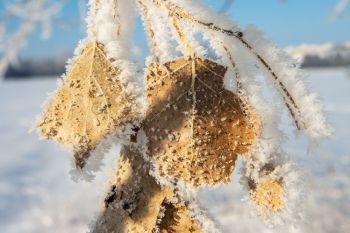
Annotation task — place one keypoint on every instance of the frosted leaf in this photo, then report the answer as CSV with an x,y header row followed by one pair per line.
x,y
206,140
89,104
267,195
177,219
135,201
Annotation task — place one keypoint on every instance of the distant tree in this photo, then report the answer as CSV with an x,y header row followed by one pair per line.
x,y
32,14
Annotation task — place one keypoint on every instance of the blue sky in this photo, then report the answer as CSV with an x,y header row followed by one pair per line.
x,y
286,22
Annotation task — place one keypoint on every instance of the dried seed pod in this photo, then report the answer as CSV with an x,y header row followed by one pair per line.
x,y
195,127
89,104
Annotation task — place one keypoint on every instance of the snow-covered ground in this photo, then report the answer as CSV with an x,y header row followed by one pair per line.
x,y
37,195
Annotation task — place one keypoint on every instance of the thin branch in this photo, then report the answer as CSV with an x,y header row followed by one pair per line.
x,y
339,9
180,13
150,29
29,12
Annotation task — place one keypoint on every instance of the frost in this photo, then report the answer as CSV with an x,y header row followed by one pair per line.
x,y
200,110
30,13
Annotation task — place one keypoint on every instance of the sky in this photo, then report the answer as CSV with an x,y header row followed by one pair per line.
x,y
286,22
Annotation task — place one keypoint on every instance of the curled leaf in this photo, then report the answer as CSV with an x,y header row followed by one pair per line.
x,y
89,104
195,127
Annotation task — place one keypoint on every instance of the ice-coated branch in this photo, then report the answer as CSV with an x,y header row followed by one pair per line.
x,y
274,63
150,30
29,13
288,99
339,9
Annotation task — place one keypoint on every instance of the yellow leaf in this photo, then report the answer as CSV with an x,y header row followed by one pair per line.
x,y
89,104
267,195
195,127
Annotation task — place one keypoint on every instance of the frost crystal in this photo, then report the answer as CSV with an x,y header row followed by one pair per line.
x,y
198,113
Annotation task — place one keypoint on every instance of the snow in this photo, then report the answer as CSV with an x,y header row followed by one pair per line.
x,y
37,194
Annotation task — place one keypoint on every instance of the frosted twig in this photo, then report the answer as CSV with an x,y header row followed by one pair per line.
x,y
339,9
29,13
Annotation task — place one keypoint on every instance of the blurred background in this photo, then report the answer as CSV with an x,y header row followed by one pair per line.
x,y
38,36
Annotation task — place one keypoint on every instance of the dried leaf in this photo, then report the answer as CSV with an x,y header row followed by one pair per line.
x,y
267,195
135,199
195,127
89,104
176,219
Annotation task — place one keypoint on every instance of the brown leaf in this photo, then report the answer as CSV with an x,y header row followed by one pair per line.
x,y
176,219
195,127
135,199
89,104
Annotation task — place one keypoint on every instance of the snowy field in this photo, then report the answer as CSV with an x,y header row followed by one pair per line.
x,y
37,195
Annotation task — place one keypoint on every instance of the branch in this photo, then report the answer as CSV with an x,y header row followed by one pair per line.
x,y
180,13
